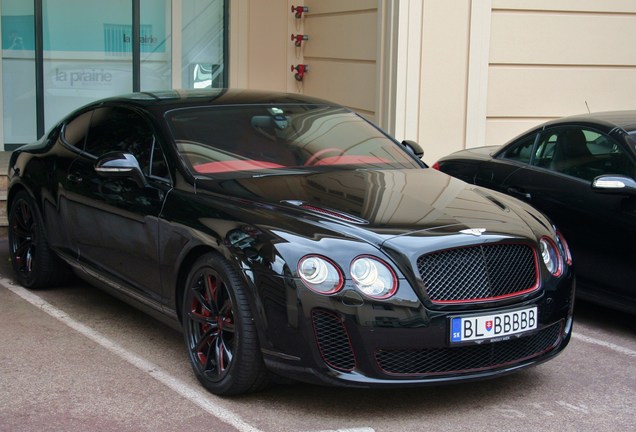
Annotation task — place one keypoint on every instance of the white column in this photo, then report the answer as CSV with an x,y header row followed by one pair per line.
x,y
478,61
176,44
1,96
399,67
238,55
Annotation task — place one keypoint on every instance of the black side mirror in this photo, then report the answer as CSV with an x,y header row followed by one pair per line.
x,y
123,165
614,184
414,148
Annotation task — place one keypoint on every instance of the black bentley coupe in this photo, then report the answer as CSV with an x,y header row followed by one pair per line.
x,y
289,236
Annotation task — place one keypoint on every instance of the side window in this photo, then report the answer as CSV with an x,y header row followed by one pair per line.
x,y
584,153
522,152
74,133
545,150
120,129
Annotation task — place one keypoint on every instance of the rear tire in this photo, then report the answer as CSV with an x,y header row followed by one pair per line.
x,y
219,330
35,265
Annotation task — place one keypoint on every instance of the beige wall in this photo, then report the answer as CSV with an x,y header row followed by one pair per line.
x,y
261,51
449,74
341,50
559,57
444,83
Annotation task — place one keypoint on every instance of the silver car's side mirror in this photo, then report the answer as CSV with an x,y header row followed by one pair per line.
x,y
616,184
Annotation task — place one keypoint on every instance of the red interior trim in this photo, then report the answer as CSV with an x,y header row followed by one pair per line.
x,y
351,160
234,165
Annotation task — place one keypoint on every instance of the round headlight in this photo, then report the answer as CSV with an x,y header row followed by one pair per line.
x,y
319,274
550,256
373,277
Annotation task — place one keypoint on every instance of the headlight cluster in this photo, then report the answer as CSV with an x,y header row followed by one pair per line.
x,y
370,275
373,277
320,274
565,247
551,257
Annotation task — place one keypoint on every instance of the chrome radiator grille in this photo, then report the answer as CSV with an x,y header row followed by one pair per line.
x,y
479,273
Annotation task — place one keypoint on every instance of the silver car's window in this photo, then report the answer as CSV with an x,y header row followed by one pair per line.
x,y
522,151
582,153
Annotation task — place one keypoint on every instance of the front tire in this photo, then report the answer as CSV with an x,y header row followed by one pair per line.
x,y
219,331
35,265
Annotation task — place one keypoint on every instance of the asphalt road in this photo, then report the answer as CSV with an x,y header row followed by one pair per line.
x,y
76,359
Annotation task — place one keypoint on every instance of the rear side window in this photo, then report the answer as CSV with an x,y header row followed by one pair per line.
x,y
522,151
74,133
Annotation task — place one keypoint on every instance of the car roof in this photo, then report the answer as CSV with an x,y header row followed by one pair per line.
x,y
172,99
625,120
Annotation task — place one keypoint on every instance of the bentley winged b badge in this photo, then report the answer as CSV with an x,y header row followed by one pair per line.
x,y
474,231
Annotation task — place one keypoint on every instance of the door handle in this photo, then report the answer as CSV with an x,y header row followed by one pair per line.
x,y
519,192
74,178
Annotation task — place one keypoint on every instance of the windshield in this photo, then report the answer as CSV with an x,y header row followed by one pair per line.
x,y
266,138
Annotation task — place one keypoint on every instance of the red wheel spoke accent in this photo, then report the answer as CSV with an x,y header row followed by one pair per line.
x,y
206,340
203,302
211,320
24,256
21,231
23,242
211,288
25,218
223,354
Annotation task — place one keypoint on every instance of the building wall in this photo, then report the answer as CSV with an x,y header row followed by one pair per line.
x,y
551,58
445,50
341,50
450,75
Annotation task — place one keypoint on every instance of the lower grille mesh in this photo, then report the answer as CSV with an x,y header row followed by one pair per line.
x,y
333,341
468,358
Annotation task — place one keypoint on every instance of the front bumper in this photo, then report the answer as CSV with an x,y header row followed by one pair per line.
x,y
378,345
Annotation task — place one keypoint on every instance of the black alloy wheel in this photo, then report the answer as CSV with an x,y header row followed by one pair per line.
x,y
219,331
34,264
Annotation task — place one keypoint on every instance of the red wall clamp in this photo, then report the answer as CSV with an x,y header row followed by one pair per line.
x,y
298,39
298,10
300,69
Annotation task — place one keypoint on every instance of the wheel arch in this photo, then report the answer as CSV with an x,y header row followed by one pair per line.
x,y
186,265
184,268
13,191
188,260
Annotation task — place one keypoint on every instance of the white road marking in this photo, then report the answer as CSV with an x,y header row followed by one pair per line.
x,y
362,429
613,347
195,395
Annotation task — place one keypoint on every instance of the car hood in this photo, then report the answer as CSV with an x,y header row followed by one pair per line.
x,y
379,205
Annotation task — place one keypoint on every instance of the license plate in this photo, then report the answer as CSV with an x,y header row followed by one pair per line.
x,y
498,325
